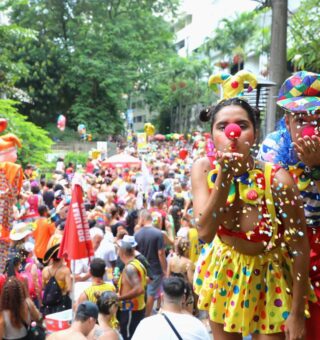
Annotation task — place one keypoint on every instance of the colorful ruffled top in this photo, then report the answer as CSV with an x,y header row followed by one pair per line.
x,y
251,188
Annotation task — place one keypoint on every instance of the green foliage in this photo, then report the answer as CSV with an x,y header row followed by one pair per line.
x,y
233,35
68,135
12,70
303,36
241,35
175,91
87,55
35,141
76,158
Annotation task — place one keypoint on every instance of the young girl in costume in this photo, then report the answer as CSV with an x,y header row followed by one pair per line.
x,y
296,146
252,277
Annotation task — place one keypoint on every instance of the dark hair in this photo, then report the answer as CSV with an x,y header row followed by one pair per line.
x,y
49,184
114,211
100,203
131,220
35,189
13,298
81,317
176,216
211,111
162,187
42,209
174,287
58,187
97,267
105,301
11,265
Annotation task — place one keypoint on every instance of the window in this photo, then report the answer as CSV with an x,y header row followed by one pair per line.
x,y
180,45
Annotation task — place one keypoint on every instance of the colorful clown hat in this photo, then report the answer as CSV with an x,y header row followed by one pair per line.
x,y
300,92
233,85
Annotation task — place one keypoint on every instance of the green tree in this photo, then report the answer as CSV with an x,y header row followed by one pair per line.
x,y
12,70
303,36
87,55
239,36
176,91
35,141
232,36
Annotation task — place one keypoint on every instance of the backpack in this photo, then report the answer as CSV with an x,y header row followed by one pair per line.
x,y
52,295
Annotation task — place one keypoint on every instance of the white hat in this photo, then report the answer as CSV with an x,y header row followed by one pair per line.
x,y
20,230
128,241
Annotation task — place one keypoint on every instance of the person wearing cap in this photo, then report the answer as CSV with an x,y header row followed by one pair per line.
x,y
296,147
120,265
132,284
85,319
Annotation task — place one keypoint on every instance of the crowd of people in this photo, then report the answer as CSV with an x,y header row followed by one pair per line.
x,y
211,235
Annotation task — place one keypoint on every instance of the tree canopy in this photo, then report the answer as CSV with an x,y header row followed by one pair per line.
x,y
87,55
304,28
35,141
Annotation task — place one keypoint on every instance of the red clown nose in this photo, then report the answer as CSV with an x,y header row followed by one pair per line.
x,y
232,131
308,131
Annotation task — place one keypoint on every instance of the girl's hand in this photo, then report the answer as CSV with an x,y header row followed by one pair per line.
x,y
295,327
307,149
229,161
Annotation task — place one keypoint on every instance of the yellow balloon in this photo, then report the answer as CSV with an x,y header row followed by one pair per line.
x,y
149,129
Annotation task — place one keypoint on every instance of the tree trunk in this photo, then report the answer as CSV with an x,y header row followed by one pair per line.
x,y
278,56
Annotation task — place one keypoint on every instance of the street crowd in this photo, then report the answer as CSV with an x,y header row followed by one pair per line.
x,y
214,235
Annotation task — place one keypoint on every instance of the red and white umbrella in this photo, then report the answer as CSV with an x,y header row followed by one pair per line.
x,y
122,160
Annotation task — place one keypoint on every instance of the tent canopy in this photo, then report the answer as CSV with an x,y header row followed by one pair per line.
x,y
122,160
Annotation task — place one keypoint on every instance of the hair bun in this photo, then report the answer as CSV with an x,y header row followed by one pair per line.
x,y
205,114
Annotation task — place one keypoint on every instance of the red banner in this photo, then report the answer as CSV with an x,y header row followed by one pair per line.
x,y
76,242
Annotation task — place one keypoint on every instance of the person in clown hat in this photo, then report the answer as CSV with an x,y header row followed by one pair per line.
x,y
245,276
296,147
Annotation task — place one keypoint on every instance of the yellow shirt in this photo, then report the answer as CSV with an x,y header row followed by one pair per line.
x,y
90,291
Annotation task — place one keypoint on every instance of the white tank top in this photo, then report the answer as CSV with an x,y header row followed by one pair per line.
x,y
11,332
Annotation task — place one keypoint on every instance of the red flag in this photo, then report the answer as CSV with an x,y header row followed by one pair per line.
x,y
76,242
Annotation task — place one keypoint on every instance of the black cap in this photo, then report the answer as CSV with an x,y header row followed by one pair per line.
x,y
88,309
